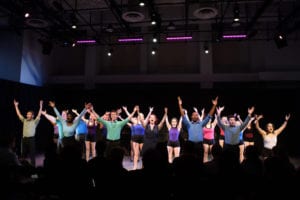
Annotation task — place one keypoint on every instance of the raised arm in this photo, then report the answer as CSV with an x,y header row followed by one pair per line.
x,y
83,112
127,113
40,110
213,108
168,123
283,126
260,130
91,111
20,116
249,123
186,114
161,123
179,125
219,122
180,106
145,122
122,119
50,118
52,104
201,116
239,118
248,118
75,111
134,111
103,122
125,110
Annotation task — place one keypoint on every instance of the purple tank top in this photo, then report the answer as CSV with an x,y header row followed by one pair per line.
x,y
173,134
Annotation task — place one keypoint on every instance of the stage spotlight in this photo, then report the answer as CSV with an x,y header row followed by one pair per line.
x,y
153,19
236,13
154,38
280,40
141,3
74,21
27,14
206,49
153,52
110,52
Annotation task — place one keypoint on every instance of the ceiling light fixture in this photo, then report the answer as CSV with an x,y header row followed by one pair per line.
x,y
110,52
179,38
234,36
27,14
86,41
236,13
206,50
130,39
153,51
142,3
154,38
280,40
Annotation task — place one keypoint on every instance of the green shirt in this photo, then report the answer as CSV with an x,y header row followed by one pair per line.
x,y
113,128
29,126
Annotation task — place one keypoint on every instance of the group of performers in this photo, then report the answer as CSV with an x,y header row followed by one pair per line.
x,y
71,127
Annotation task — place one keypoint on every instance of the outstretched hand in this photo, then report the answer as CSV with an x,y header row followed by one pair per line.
x,y
215,101
251,110
16,103
179,100
287,117
88,105
52,104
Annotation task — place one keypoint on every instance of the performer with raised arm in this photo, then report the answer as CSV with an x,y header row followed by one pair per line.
x,y
29,130
69,124
152,128
57,128
137,135
113,127
173,145
270,135
195,126
208,138
232,132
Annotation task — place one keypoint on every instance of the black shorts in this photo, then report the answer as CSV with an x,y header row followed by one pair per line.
x,y
90,137
137,138
221,137
209,141
267,152
173,143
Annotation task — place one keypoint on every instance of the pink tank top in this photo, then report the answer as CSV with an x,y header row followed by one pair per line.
x,y
208,133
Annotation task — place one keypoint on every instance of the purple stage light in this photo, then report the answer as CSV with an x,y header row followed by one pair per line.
x,y
238,36
86,41
130,39
179,38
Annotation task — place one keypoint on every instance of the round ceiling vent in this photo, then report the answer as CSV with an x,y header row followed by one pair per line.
x,y
133,16
205,13
36,23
